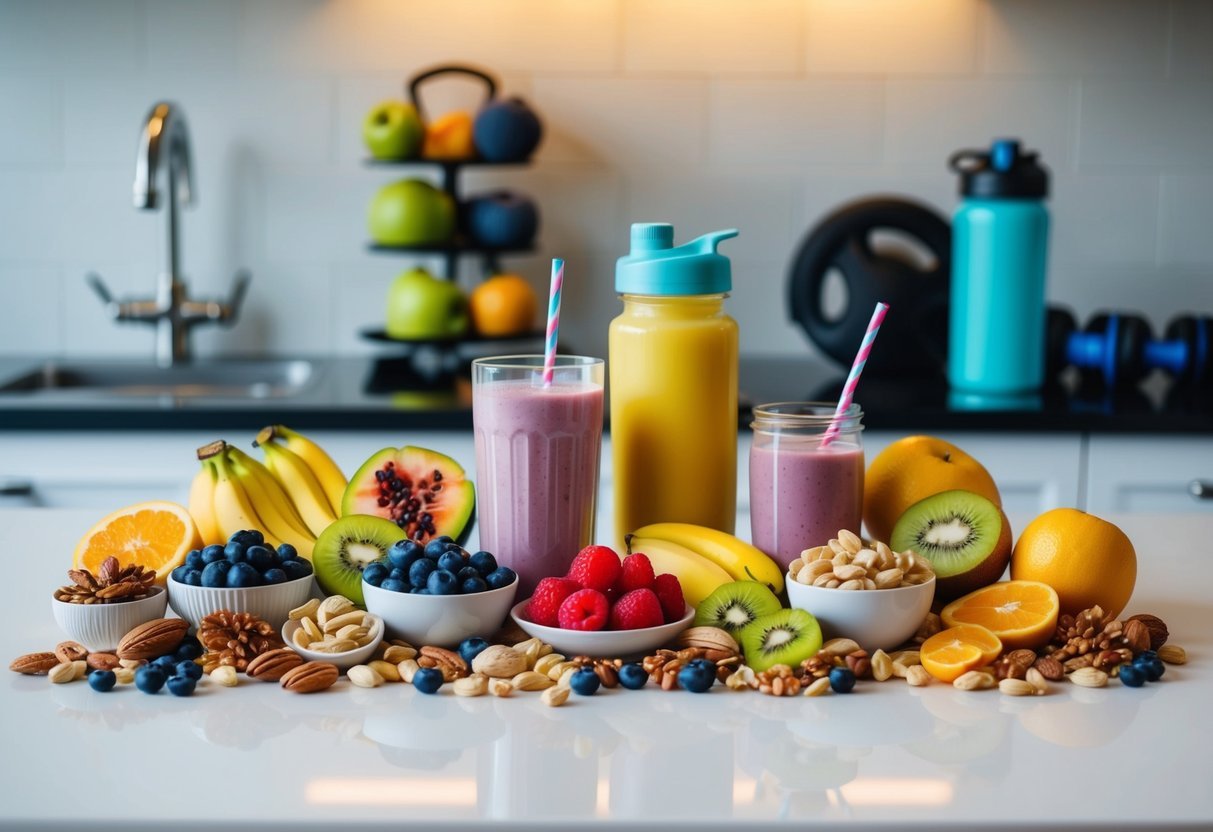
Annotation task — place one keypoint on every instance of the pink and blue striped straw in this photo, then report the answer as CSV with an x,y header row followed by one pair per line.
x,y
861,358
549,353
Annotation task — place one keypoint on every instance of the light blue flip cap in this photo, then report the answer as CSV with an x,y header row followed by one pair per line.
x,y
655,266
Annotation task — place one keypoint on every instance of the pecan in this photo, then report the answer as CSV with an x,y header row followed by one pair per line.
x,y
452,663
1137,636
606,674
272,665
34,664
102,661
153,638
70,651
1050,668
311,677
1157,629
859,663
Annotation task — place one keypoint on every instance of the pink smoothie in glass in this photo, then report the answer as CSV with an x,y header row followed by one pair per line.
x,y
801,495
537,455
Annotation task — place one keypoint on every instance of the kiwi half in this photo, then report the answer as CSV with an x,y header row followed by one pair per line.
x,y
733,605
348,545
784,637
966,538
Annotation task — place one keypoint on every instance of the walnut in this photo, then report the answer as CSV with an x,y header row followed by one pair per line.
x,y
663,666
817,667
112,584
1089,632
234,639
779,680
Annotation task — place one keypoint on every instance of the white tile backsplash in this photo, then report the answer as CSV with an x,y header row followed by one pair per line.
x,y
760,114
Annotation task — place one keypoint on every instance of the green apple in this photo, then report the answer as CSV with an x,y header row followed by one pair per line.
x,y
393,130
420,305
411,212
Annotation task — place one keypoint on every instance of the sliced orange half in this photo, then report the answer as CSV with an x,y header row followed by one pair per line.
x,y
957,650
156,535
1020,613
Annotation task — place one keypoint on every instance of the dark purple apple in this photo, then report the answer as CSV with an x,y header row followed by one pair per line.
x,y
502,219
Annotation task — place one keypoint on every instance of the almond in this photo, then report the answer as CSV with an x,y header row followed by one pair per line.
x,y
34,664
71,651
498,662
153,638
272,665
1089,677
311,677
102,661
1173,654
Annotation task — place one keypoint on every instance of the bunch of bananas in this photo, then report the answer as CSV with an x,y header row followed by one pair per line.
x,y
703,558
290,499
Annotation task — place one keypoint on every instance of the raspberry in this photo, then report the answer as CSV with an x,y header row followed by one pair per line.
x,y
669,593
547,598
636,610
585,609
595,567
637,573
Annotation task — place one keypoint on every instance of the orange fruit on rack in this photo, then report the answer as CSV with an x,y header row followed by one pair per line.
x,y
956,650
912,469
1020,613
1087,560
156,535
503,305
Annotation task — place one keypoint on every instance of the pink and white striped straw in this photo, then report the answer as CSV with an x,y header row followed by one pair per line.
x,y
549,353
861,358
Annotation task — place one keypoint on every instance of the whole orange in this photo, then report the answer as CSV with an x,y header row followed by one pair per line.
x,y
1086,559
449,137
503,305
912,469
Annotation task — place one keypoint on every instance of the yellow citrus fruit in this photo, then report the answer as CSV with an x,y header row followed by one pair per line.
x,y
1086,560
1020,613
503,305
449,137
912,469
956,650
156,535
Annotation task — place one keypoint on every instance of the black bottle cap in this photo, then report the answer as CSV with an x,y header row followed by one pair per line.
x,y
1004,171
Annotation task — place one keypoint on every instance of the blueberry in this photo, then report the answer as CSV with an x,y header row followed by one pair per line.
x,y
102,680
274,576
842,679
499,577
215,574
470,586
484,563
467,572
194,559
698,676
451,562
375,573
421,590
193,577
420,571
296,569
459,550
188,651
404,553
287,552
1146,654
234,551
188,668
182,685
1153,668
149,678
436,548
632,676
428,679
393,585
249,537
242,575
444,539
211,554
470,648
167,663
178,574
442,582
585,682
1132,675
260,558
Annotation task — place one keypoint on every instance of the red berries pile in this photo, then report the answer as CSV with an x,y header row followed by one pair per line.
x,y
603,593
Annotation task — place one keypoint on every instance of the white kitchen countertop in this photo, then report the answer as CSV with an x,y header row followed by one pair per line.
x,y
888,754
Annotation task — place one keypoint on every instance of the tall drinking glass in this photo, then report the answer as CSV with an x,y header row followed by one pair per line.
x,y
537,452
801,492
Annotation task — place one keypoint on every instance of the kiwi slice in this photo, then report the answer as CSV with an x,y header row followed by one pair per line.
x,y
784,637
348,545
966,538
733,605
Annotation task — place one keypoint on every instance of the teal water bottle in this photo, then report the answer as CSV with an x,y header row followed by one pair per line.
x,y
1000,245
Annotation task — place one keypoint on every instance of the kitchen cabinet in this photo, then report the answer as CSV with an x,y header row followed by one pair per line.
x,y
1154,474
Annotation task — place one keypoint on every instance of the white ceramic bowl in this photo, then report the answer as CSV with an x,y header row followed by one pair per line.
x,y
879,619
100,627
344,661
603,643
272,602
439,620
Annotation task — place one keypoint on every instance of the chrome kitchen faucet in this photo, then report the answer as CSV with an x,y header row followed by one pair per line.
x,y
164,143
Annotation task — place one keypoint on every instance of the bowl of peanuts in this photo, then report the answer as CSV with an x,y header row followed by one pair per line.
x,y
862,591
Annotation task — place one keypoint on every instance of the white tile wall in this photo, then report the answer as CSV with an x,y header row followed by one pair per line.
x,y
763,114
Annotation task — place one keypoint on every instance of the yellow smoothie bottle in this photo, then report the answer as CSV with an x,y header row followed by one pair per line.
x,y
673,383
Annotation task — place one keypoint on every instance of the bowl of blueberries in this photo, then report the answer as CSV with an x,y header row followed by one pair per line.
x,y
438,593
243,575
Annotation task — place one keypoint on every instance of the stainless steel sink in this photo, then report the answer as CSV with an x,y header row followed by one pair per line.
x,y
258,379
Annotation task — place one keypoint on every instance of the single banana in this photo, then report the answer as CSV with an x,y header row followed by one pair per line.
x,y
698,575
328,474
302,486
741,560
251,470
202,505
271,507
233,509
